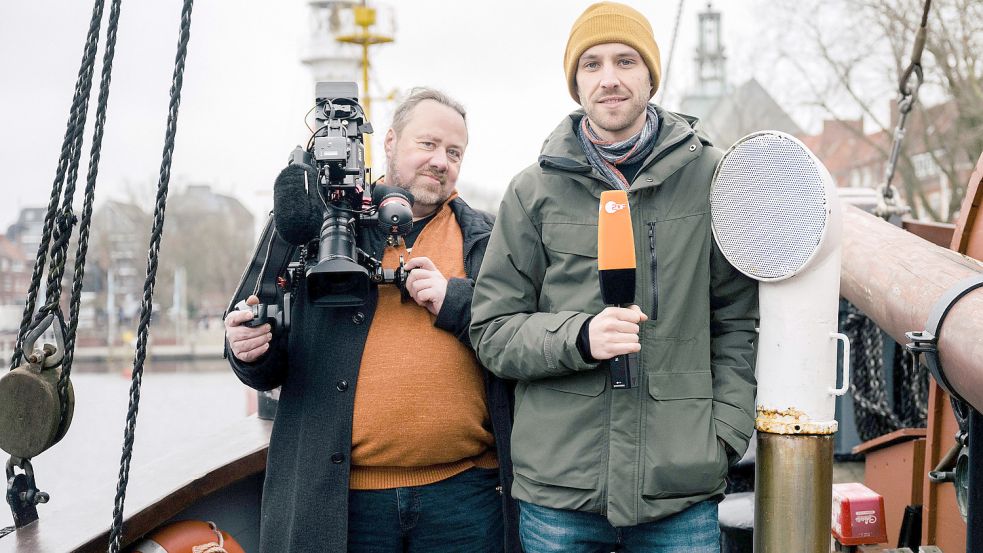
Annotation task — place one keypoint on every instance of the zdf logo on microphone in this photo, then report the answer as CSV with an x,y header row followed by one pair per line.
x,y
614,207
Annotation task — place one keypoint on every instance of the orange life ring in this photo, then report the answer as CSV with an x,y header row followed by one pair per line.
x,y
188,536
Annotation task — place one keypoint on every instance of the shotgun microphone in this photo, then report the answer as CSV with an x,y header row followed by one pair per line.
x,y
296,214
616,272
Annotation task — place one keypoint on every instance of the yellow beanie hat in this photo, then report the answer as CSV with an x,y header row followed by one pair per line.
x,y
610,22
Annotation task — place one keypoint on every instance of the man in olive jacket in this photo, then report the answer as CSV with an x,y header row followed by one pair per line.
x,y
389,436
597,467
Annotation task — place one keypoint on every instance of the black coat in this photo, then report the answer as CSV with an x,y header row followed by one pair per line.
x,y
305,495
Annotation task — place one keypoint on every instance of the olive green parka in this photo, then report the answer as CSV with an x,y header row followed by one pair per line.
x,y
640,454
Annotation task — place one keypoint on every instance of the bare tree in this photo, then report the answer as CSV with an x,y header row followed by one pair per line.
x,y
846,58
210,236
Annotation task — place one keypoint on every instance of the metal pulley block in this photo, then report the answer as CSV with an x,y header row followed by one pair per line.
x,y
23,495
31,415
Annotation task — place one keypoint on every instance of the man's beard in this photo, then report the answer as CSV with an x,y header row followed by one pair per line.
x,y
425,192
611,123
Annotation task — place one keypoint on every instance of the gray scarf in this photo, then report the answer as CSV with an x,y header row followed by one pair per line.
x,y
605,155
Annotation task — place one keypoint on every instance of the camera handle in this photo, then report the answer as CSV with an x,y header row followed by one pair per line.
x,y
379,275
278,317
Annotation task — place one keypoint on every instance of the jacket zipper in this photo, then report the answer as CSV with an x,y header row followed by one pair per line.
x,y
655,273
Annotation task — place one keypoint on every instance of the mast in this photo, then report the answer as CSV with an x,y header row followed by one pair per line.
x,y
341,33
365,18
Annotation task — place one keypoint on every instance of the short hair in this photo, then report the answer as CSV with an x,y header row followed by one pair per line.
x,y
418,94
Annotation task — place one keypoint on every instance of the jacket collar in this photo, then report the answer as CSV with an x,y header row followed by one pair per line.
x,y
677,144
475,225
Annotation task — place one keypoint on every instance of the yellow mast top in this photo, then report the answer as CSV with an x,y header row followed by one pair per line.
x,y
365,18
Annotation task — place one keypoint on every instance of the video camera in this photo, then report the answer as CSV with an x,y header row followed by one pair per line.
x,y
321,201
342,272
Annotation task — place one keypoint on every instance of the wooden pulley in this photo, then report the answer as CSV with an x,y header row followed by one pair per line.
x,y
30,408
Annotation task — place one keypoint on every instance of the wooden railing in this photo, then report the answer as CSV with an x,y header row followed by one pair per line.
x,y
209,461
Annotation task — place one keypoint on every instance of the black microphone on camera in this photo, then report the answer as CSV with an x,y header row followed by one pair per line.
x,y
296,214
395,209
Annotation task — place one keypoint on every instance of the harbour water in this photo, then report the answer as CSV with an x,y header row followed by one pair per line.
x,y
175,399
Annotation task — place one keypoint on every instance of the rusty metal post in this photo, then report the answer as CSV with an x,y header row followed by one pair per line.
x,y
794,489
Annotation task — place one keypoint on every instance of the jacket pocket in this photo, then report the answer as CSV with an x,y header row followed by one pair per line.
x,y
558,428
682,454
571,238
570,280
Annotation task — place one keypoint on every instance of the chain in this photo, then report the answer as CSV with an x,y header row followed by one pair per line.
x,y
890,204
873,413
116,534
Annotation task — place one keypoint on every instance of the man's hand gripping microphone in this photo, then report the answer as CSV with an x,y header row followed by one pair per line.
x,y
616,273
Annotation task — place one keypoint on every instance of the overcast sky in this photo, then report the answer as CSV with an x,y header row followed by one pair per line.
x,y
246,92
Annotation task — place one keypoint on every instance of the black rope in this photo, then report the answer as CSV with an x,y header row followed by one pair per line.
x,y
115,536
90,194
71,142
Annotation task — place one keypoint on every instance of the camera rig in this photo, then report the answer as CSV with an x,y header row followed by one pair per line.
x,y
336,185
342,272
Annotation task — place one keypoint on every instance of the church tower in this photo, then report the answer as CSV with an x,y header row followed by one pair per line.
x,y
711,63
710,84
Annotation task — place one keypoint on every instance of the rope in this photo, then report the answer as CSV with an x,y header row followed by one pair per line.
x,y
664,88
90,187
211,547
146,308
71,142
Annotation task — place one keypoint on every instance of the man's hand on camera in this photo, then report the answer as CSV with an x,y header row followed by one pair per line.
x,y
614,332
426,285
247,344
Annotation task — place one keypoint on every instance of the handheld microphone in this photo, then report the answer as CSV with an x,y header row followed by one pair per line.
x,y
296,215
616,272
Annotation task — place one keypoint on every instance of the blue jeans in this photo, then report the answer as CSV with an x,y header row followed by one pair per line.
x,y
460,514
547,530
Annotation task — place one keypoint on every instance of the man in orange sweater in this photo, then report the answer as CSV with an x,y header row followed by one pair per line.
x,y
389,435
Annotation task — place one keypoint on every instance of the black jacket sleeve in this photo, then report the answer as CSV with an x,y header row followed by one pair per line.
x,y
267,372
455,313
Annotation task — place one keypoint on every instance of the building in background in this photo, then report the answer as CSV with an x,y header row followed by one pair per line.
x,y
208,242
26,232
117,259
857,158
15,277
727,113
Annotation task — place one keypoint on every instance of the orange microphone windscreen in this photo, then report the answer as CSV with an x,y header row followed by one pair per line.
x,y
615,240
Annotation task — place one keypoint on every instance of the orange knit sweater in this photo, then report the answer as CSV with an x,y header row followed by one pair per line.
x,y
420,407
